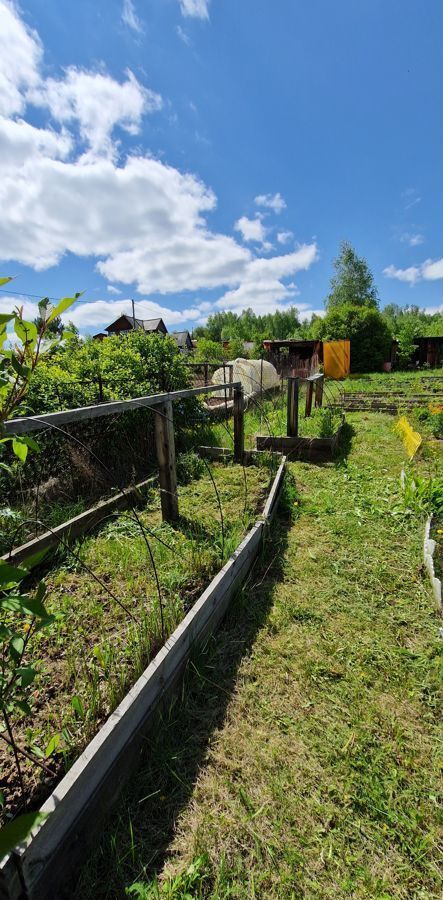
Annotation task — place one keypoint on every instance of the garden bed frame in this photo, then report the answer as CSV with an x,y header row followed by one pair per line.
x,y
37,869
310,449
428,553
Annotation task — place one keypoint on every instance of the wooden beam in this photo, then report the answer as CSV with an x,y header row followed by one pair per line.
x,y
167,473
292,407
70,530
309,393
239,423
83,413
319,385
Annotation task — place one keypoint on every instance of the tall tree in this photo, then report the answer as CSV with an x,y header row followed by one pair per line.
x,y
353,282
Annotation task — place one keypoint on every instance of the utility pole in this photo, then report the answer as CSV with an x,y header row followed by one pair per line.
x,y
133,313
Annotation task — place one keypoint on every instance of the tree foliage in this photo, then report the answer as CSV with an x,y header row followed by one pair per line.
x,y
353,283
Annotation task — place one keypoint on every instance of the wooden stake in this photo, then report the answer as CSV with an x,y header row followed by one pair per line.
x,y
165,447
292,409
309,393
239,424
319,391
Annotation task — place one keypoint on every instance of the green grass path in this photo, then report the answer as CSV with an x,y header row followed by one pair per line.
x,y
321,778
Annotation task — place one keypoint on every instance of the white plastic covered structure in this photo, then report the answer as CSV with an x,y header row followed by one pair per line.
x,y
254,374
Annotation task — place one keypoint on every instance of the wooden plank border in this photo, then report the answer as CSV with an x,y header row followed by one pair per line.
x,y
306,448
34,423
73,528
36,869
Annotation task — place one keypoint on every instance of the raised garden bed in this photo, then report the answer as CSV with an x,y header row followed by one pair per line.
x,y
312,449
35,869
433,557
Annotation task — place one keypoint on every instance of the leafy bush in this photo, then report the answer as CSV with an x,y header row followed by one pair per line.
x,y
189,467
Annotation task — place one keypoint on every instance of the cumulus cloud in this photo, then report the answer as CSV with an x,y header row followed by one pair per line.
x,y
195,9
284,237
410,275
251,229
430,270
130,17
20,58
144,222
111,289
271,201
97,103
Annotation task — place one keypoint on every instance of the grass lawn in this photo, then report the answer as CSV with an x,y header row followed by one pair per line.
x,y
303,758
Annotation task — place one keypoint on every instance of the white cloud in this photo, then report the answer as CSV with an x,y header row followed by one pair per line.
x,y
112,289
97,103
261,286
183,35
430,270
271,201
144,222
20,58
251,229
410,275
414,240
130,17
195,9
410,198
284,237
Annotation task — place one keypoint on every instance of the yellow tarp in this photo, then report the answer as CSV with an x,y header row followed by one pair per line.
x,y
411,439
337,358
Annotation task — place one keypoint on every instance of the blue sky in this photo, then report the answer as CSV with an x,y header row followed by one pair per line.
x,y
200,155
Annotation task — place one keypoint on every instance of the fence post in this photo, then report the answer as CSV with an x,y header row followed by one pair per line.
x,y
309,392
165,447
205,371
319,390
261,377
231,379
292,410
239,425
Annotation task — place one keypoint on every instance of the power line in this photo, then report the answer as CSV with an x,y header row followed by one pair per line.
x,y
39,296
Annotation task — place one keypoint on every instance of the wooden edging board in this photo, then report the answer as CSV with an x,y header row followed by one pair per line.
x,y
301,447
428,554
36,869
33,551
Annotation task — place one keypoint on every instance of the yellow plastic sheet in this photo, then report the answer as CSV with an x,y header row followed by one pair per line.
x,y
337,358
411,439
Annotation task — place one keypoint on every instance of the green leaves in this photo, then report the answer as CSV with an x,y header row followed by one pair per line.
x,y
5,280
20,449
62,306
17,831
10,574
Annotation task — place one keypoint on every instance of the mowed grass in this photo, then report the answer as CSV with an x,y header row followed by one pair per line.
x,y
306,749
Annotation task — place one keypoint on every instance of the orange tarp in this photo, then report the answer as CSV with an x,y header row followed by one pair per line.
x,y
337,358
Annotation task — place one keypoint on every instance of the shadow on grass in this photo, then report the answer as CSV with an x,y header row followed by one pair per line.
x,y
138,834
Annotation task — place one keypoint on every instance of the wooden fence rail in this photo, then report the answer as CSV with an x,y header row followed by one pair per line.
x,y
162,406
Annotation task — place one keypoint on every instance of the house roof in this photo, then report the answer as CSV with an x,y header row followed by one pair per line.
x,y
144,324
182,338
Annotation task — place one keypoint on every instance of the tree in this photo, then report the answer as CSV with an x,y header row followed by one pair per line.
x,y
353,282
366,329
209,351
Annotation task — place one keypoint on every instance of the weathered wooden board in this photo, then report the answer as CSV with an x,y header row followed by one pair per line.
x,y
75,527
34,423
80,802
301,447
